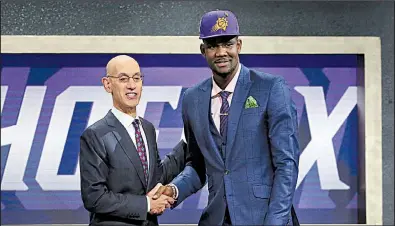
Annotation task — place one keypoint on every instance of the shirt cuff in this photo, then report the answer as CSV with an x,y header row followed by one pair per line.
x,y
148,204
175,187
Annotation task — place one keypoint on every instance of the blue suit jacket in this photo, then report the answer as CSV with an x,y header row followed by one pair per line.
x,y
258,177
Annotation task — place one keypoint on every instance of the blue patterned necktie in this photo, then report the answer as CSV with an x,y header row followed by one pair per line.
x,y
141,148
224,113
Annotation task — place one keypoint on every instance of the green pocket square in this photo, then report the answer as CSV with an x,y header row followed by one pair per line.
x,y
250,103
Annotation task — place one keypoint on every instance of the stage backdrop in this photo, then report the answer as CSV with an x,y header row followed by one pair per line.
x,y
47,100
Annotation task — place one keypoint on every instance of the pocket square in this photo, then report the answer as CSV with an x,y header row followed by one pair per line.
x,y
250,103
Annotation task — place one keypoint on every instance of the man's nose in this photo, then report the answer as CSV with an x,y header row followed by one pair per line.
x,y
221,51
131,84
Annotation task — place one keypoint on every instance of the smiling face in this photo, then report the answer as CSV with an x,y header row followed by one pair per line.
x,y
124,82
222,54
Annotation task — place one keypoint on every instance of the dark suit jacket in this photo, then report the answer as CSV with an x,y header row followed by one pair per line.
x,y
259,174
113,187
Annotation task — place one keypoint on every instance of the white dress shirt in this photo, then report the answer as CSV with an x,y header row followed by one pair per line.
x,y
216,100
126,120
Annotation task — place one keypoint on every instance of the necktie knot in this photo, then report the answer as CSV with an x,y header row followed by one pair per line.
x,y
136,123
224,95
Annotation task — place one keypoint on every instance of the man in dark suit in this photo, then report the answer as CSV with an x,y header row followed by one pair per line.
x,y
241,130
119,159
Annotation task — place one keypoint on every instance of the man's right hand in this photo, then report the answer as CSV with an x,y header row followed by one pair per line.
x,y
159,205
163,190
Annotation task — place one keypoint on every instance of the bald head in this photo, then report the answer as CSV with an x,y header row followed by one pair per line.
x,y
121,63
124,82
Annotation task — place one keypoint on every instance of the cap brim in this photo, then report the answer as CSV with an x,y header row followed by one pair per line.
x,y
218,35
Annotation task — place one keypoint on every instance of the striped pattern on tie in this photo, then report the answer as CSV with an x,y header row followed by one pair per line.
x,y
224,111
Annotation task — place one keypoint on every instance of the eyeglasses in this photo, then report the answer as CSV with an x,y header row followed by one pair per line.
x,y
123,78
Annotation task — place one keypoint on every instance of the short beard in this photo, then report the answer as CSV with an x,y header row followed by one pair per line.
x,y
223,75
226,74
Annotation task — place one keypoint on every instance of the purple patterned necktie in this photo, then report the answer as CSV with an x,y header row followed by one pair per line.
x,y
141,147
224,113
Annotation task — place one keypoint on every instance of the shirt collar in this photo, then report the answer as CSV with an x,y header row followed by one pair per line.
x,y
125,119
230,87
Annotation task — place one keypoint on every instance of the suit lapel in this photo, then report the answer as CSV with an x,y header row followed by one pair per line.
x,y
242,89
127,145
204,101
151,148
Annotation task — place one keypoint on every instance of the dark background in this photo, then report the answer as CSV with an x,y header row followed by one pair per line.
x,y
266,18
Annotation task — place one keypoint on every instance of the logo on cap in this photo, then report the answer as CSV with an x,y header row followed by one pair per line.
x,y
221,23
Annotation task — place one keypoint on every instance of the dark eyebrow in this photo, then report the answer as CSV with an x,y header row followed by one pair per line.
x,y
216,41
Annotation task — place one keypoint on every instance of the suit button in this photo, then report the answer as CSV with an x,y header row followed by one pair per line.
x,y
226,172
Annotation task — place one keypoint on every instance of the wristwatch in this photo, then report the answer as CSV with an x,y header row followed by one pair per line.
x,y
173,188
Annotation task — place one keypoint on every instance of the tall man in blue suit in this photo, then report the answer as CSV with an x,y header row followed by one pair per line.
x,y
241,130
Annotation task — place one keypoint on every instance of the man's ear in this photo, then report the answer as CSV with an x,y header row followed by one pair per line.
x,y
202,50
239,44
106,84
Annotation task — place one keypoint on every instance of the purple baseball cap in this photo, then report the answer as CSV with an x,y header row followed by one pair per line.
x,y
218,23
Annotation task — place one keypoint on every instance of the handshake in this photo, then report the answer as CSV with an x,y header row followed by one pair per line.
x,y
160,198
